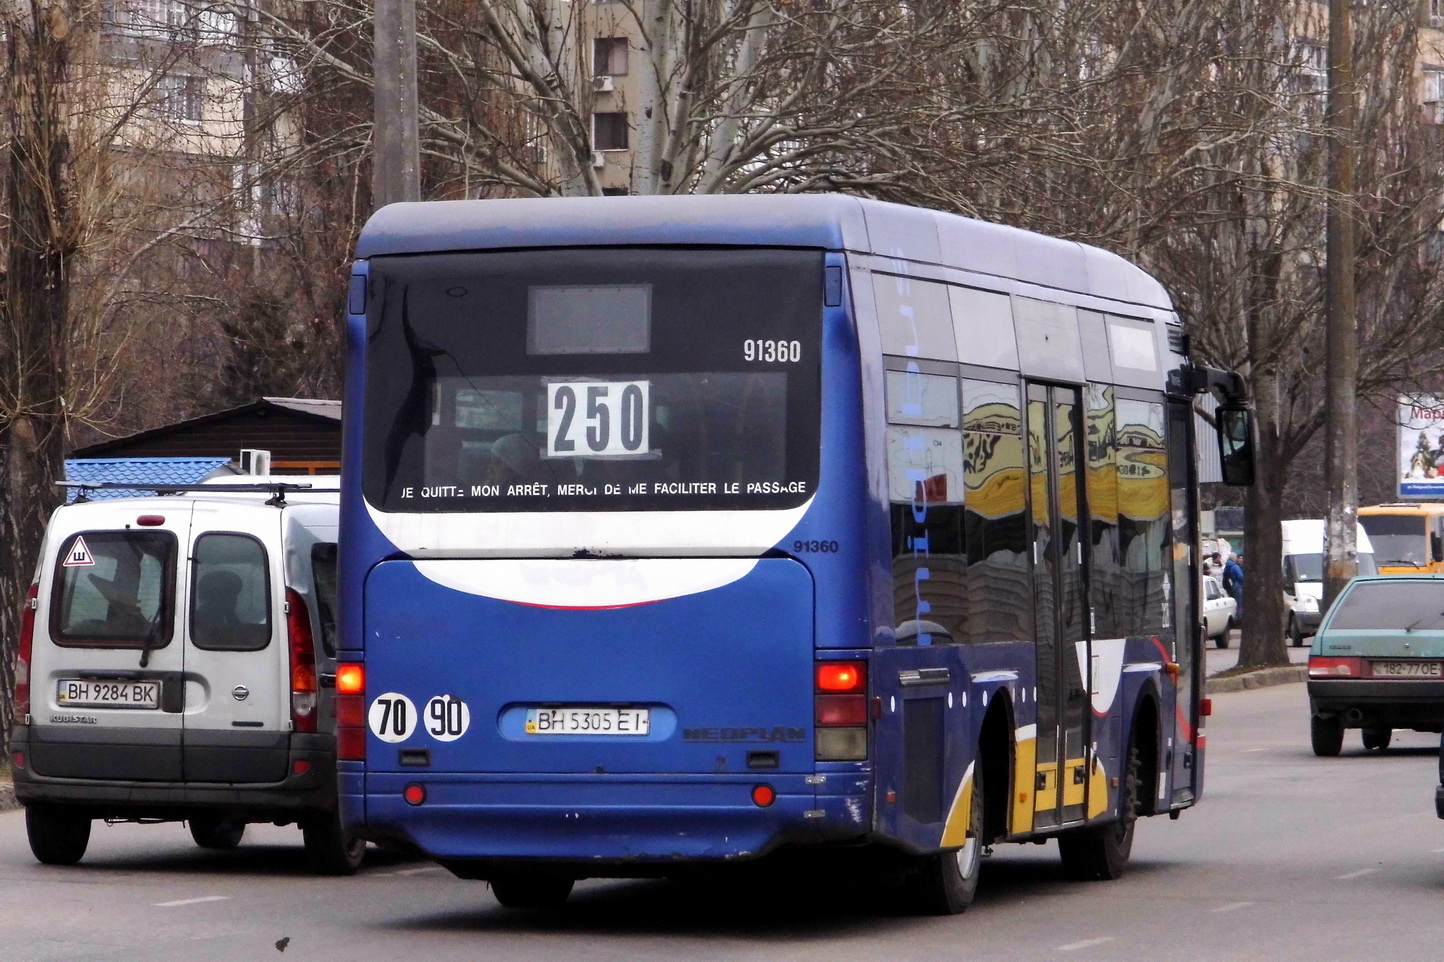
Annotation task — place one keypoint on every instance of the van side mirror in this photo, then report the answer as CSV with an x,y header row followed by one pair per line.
x,y
1235,444
1436,547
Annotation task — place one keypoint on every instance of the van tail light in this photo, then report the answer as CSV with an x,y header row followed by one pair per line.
x,y
303,663
351,712
840,710
22,660
1336,667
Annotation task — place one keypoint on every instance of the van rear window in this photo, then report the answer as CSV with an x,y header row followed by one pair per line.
x,y
115,589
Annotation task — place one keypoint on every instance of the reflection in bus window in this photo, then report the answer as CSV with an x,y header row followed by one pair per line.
x,y
925,488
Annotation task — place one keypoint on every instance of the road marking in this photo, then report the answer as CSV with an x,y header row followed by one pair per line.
x,y
207,898
409,871
1352,875
1250,751
1085,944
1438,851
1231,906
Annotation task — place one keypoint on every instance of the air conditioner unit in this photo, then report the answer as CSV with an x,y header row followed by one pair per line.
x,y
599,159
255,461
603,84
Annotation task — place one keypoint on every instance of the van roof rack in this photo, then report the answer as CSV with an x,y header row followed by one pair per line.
x,y
277,489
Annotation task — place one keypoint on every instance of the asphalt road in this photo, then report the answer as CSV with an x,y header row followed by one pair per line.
x,y
1288,857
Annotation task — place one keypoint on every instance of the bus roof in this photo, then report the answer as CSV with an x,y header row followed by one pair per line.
x,y
825,221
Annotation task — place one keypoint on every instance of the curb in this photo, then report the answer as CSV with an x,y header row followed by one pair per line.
x,y
1263,678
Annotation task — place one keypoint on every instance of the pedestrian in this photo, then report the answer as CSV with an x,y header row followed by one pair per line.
x,y
1233,580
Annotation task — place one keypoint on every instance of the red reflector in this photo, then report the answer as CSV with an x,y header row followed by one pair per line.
x,y
350,678
841,676
351,744
350,711
300,766
414,794
150,520
763,795
17,760
1205,707
842,709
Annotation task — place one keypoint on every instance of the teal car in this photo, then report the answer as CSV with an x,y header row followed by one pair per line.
x,y
1377,662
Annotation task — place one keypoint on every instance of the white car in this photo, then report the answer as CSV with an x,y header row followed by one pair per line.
x,y
1220,611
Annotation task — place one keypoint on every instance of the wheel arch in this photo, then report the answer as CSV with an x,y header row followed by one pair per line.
x,y
997,755
1145,733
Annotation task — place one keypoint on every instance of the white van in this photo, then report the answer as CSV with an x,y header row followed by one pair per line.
x,y
172,658
1303,579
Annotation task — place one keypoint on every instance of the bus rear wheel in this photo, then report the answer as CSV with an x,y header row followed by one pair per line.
x,y
1101,853
330,849
526,891
946,882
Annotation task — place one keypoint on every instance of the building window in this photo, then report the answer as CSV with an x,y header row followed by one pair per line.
x,y
609,56
178,97
609,131
1431,97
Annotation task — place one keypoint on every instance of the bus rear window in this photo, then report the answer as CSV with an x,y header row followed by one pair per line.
x,y
115,589
594,380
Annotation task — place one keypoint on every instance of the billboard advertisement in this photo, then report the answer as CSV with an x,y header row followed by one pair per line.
x,y
1421,446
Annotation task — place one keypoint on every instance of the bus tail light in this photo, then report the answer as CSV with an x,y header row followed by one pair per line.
x,y
1336,667
303,663
351,712
840,700
22,660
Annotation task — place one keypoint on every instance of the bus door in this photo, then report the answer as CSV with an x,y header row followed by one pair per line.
x,y
1187,756
1056,493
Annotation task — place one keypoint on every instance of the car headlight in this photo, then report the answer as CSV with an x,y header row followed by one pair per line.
x,y
1309,604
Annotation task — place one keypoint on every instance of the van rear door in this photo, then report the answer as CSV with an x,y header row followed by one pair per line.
x,y
107,667
237,717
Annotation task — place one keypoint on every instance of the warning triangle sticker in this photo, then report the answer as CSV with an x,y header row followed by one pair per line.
x,y
79,555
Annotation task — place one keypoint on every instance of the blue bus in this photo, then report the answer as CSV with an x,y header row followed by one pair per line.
x,y
680,532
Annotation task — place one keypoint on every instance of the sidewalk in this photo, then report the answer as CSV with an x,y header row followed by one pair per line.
x,y
1219,660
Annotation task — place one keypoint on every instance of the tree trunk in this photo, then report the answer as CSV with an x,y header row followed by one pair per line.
x,y
1263,605
34,312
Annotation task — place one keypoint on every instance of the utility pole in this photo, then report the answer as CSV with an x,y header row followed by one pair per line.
x,y
396,146
1342,336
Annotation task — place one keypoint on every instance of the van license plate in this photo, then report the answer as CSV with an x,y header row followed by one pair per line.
x,y
1425,669
98,693
588,721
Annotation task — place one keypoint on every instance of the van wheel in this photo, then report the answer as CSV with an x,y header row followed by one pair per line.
x,y
1296,635
1220,640
1101,853
58,836
1377,738
946,883
215,830
1327,735
520,890
329,848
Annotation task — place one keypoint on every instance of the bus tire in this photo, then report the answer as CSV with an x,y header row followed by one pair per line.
x,y
521,890
216,830
1326,733
58,836
1100,853
946,882
1377,738
330,849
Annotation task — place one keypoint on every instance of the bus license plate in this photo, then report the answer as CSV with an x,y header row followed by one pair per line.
x,y
98,693
588,721
1426,669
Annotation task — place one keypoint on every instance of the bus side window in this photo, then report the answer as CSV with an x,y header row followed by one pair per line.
x,y
925,485
999,594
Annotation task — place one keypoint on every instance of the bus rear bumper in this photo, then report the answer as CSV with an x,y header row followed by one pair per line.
x,y
615,825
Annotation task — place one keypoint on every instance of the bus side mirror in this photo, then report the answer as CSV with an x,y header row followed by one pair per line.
x,y
1235,444
1436,548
